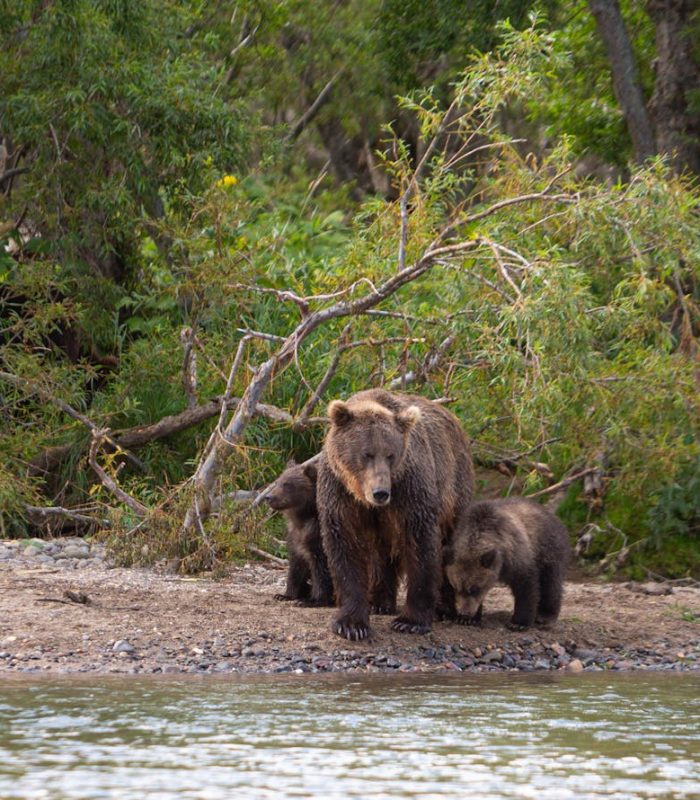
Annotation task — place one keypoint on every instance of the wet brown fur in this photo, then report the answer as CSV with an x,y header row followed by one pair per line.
x,y
519,543
414,452
308,579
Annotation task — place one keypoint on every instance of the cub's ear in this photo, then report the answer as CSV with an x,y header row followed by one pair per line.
x,y
311,472
486,559
290,463
407,418
339,412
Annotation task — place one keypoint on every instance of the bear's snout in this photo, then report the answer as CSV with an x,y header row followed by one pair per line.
x,y
467,606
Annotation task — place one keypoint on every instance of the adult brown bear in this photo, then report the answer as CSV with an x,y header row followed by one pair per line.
x,y
395,479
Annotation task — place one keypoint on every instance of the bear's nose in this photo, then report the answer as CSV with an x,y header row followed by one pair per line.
x,y
380,496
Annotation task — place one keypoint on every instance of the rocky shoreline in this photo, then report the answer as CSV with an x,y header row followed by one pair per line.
x,y
64,609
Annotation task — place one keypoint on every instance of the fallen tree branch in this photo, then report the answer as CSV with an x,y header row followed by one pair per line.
x,y
281,562
58,511
555,487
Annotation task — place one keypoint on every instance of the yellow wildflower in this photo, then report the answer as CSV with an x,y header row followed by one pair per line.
x,y
226,181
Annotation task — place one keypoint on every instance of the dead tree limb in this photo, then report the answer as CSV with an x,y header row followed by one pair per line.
x,y
110,483
46,512
209,468
28,385
555,487
321,98
189,366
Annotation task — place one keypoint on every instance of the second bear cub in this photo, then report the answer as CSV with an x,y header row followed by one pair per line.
x,y
517,542
308,579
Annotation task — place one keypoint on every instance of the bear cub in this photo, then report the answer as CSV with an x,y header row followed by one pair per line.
x,y
308,578
517,542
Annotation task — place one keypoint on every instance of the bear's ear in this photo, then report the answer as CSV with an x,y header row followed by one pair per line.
x,y
407,418
486,559
311,472
339,413
290,463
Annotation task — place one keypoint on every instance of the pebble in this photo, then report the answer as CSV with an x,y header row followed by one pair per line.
x,y
122,646
575,666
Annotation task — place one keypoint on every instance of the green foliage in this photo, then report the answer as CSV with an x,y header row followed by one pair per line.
x,y
571,317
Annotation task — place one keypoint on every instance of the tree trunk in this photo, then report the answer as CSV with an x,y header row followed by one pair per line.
x,y
626,85
676,117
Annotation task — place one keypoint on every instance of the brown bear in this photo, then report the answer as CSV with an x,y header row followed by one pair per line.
x,y
517,542
308,579
395,480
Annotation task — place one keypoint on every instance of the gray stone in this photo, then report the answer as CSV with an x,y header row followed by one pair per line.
x,y
122,646
75,551
492,656
542,663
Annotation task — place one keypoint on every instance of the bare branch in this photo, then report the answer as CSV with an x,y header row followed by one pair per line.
x,y
325,380
44,512
189,366
431,361
110,483
299,126
555,487
280,562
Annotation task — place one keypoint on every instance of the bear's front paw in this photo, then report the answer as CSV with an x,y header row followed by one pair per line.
x,y
351,628
517,626
285,597
462,619
406,625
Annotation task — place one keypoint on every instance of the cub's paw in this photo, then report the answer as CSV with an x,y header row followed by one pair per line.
x,y
517,626
383,610
461,619
351,628
406,625
444,614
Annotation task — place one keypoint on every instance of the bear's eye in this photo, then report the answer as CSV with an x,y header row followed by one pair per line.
x,y
369,456
390,458
473,590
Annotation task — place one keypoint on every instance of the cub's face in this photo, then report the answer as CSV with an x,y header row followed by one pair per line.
x,y
368,448
471,579
294,489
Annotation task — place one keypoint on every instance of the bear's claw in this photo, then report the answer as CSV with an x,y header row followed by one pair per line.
x,y
354,631
461,619
282,597
409,626
383,610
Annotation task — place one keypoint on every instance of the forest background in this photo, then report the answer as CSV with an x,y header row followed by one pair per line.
x,y
217,216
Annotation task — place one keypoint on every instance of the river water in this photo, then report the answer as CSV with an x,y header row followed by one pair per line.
x,y
584,736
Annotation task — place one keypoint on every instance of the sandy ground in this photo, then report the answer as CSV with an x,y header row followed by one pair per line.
x,y
142,621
